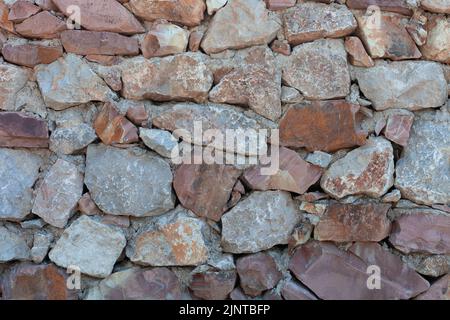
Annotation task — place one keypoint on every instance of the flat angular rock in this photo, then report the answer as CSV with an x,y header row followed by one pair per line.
x,y
128,181
70,81
22,10
19,130
436,47
12,246
43,25
311,21
27,281
213,285
271,213
438,290
257,67
387,37
314,126
294,174
279,4
138,115
12,80
318,69
240,24
105,43
398,126
5,24
438,6
357,53
397,6
138,284
187,12
205,189
257,272
92,246
71,139
102,15
165,39
294,290
160,141
114,128
421,232
30,55
367,170
317,264
214,5
153,79
423,173
353,222
19,171
176,238
411,85
58,195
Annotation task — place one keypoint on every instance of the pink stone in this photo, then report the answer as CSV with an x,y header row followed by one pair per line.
x,y
19,130
43,25
279,4
398,127
21,10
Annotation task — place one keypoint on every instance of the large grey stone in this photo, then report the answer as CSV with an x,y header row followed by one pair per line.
x,y
12,246
259,222
19,171
128,181
12,80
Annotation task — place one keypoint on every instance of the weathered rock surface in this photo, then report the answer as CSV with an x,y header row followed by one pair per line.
x,y
293,290
30,55
43,25
184,77
19,171
240,24
70,81
423,173
318,69
438,6
314,126
161,141
421,232
271,213
316,264
353,222
409,85
186,12
12,246
436,47
257,272
58,195
311,21
367,170
213,285
20,10
138,284
357,53
398,126
102,15
438,290
177,238
36,282
92,246
72,139
128,181
257,67
279,4
205,189
398,6
294,174
19,130
12,80
165,39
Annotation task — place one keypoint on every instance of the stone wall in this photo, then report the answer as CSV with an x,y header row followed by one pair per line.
x,y
94,95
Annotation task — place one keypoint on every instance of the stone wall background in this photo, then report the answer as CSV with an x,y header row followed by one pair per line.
x,y
359,94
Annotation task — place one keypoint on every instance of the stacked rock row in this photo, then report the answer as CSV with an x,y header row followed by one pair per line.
x,y
91,91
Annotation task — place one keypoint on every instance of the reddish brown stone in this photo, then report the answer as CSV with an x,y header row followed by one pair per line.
x,y
294,290
43,25
103,43
213,285
87,206
138,115
315,127
19,130
335,274
4,22
353,222
205,189
194,40
257,272
36,282
398,127
103,60
22,10
113,128
103,15
416,27
440,290
398,6
281,47
357,53
422,232
312,196
30,55
279,4
46,5
294,174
